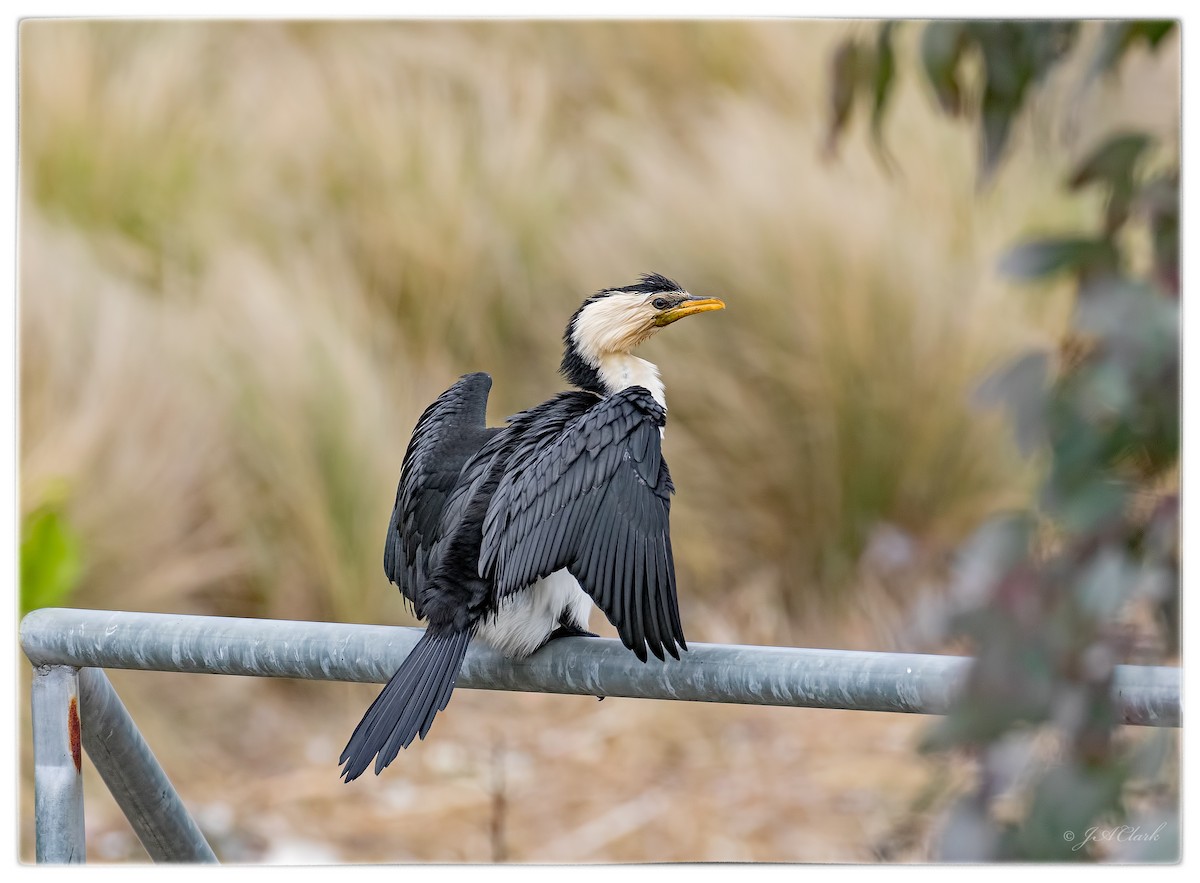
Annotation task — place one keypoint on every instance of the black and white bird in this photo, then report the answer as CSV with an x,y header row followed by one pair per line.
x,y
509,534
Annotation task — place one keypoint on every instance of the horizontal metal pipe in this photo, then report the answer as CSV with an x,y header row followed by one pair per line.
x,y
786,676
134,776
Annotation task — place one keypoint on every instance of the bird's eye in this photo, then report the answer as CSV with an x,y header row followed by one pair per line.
x,y
661,303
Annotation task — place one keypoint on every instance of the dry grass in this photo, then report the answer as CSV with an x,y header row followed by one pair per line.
x,y
251,254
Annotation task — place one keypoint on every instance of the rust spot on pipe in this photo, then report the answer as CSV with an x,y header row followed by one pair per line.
x,y
73,733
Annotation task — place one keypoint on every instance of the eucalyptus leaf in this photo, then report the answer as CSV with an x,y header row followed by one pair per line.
x,y
942,47
1039,595
1106,583
1118,37
843,84
1111,161
1091,505
882,81
1067,798
1040,258
1021,387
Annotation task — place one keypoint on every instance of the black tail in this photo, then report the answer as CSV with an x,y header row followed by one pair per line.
x,y
419,689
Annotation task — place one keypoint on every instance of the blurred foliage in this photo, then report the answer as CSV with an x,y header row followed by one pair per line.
x,y
981,69
1045,594
51,556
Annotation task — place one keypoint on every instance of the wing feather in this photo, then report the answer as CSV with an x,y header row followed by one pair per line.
x,y
448,434
592,495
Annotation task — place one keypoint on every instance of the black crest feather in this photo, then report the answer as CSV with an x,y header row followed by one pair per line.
x,y
652,283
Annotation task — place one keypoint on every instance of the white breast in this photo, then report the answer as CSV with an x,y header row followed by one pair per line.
x,y
621,370
526,619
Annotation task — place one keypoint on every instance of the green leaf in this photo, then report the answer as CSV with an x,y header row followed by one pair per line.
x,y
845,76
1016,55
1105,392
1118,37
1152,32
1069,797
1006,74
996,546
1131,316
858,67
942,46
1113,164
1021,387
1106,581
1010,684
1048,43
1045,257
968,833
882,77
1091,505
1112,161
1159,198
996,119
51,563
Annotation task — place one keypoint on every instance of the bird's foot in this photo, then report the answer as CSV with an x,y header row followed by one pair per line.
x,y
566,631
569,631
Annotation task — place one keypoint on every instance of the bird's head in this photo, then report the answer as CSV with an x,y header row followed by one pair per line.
x,y
614,321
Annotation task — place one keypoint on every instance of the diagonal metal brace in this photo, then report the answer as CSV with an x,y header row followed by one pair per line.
x,y
134,776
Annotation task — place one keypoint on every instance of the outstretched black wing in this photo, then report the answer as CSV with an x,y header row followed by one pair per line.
x,y
595,500
449,433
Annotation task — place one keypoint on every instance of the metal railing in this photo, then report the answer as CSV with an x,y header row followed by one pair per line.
x,y
75,707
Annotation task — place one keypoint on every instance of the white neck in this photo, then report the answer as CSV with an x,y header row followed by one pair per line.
x,y
621,370
606,330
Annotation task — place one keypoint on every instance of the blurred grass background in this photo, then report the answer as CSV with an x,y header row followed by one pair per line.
x,y
251,253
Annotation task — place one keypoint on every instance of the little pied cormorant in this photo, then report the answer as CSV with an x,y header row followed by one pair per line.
x,y
509,534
